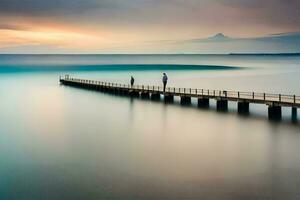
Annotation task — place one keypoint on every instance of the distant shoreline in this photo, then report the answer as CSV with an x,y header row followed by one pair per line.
x,y
264,54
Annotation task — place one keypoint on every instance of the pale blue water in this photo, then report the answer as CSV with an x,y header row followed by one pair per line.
x,y
58,142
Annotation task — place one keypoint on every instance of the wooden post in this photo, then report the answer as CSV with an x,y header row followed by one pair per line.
x,y
222,105
253,95
294,98
243,107
274,112
279,97
294,114
264,96
238,94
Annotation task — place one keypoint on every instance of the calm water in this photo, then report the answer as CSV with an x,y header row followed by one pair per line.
x,y
58,142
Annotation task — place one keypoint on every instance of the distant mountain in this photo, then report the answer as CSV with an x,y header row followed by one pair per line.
x,y
222,44
219,37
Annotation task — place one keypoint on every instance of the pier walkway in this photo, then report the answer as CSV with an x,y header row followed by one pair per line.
x,y
275,102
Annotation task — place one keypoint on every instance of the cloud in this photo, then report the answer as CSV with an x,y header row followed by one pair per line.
x,y
45,7
9,26
159,11
274,12
131,21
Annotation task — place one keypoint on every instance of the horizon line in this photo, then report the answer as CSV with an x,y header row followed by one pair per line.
x,y
145,54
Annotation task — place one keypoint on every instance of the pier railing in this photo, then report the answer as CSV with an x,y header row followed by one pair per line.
x,y
231,95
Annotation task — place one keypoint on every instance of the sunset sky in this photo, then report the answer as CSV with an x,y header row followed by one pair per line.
x,y
92,26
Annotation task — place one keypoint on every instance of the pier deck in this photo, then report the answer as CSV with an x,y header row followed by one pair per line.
x,y
273,101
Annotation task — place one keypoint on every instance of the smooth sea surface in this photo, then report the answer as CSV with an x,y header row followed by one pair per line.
x,y
61,143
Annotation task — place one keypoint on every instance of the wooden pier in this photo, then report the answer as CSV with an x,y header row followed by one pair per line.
x,y
275,102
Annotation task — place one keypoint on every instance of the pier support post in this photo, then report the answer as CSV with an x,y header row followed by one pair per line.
x,y
185,100
145,95
222,105
243,107
294,114
155,96
133,93
203,102
117,91
124,92
111,90
105,89
120,91
101,88
168,98
274,112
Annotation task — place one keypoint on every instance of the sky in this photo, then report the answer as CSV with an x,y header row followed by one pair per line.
x,y
93,26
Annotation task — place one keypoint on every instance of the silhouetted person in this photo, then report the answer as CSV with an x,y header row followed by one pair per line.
x,y
131,81
165,80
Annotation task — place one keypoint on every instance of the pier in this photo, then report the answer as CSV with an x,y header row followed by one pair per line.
x,y
275,102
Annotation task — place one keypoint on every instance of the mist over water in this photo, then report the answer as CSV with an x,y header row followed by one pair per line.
x,y
59,142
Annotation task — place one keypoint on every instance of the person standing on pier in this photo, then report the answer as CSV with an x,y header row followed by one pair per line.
x,y
131,81
165,80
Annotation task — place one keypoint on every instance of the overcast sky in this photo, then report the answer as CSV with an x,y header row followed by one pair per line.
x,y
93,25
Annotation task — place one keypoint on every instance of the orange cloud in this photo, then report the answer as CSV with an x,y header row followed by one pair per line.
x,y
22,33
